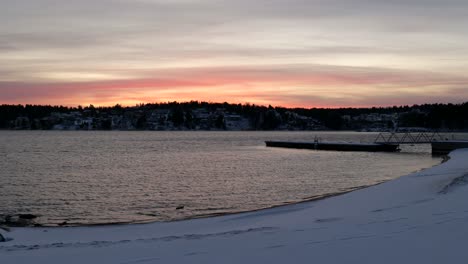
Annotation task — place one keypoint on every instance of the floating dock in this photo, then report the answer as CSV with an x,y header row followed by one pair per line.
x,y
445,147
338,146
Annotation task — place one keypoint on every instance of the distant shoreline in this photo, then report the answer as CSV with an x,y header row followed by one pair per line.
x,y
203,116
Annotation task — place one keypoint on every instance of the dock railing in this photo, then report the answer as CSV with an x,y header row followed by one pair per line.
x,y
408,137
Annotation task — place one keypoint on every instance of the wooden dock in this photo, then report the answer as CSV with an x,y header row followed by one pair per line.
x,y
337,146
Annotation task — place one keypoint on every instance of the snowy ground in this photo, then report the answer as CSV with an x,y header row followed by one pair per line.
x,y
419,218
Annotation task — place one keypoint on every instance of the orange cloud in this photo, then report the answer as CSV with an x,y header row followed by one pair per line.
x,y
288,85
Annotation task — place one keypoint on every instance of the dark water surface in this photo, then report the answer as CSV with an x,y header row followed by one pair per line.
x,y
107,177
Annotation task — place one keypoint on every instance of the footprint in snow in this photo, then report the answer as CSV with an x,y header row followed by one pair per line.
x,y
387,209
328,220
194,253
275,246
422,201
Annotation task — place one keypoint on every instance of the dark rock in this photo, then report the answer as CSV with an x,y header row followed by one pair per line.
x,y
148,214
63,223
180,207
8,218
2,238
18,220
27,216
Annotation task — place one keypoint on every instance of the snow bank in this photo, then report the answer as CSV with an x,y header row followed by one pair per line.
x,y
419,218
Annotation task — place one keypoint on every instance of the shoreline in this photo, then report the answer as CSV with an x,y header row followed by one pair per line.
x,y
54,208
313,198
203,216
418,218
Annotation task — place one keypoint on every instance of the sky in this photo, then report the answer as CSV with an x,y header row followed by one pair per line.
x,y
293,53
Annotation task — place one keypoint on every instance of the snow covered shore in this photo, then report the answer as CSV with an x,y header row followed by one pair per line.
x,y
419,218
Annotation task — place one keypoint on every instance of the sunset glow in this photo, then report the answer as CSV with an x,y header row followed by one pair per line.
x,y
290,53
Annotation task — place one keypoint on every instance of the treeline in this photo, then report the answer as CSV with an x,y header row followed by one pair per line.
x,y
433,116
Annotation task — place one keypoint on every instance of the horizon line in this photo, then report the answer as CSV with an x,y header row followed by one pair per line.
x,y
231,103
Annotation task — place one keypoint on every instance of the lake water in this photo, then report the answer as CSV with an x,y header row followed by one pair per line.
x,y
109,177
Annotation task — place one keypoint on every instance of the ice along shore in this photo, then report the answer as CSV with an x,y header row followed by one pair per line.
x,y
418,218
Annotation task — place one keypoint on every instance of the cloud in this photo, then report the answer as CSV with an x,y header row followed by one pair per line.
x,y
289,85
328,51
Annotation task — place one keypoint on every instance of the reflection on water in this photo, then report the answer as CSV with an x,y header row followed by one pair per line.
x,y
102,177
